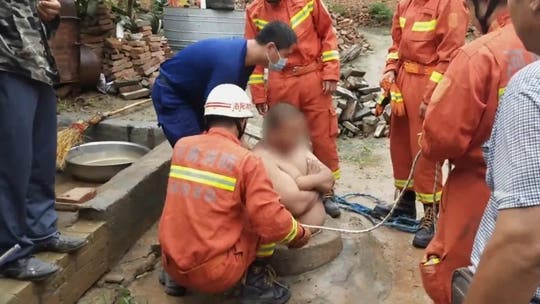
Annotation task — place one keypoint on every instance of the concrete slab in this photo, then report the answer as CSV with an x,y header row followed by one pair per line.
x,y
146,133
131,201
78,271
321,249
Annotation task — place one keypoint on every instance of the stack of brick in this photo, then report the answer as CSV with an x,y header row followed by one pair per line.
x,y
351,42
355,102
116,65
95,30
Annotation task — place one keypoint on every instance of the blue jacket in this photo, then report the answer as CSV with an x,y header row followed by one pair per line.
x,y
196,70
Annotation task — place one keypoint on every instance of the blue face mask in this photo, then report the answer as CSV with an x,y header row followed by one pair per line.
x,y
277,66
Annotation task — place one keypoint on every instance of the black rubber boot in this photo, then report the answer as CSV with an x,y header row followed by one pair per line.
x,y
261,286
171,288
330,205
427,228
406,207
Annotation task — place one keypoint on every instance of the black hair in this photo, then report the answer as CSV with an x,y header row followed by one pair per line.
x,y
221,121
280,33
280,112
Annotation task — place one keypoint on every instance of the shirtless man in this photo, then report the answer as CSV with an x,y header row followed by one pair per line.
x,y
297,175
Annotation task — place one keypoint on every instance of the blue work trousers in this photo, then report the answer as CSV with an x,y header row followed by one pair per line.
x,y
177,117
27,163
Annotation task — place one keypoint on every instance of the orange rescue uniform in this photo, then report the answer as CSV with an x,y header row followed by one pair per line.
x,y
426,35
459,120
314,59
220,213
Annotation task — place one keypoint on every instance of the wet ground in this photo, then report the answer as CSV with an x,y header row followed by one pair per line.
x,y
379,267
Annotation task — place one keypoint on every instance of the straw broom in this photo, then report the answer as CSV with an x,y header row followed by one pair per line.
x,y
71,136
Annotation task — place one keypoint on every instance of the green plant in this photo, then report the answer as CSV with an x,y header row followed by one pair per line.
x,y
380,12
335,7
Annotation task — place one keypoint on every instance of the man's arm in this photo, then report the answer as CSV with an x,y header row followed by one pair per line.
x,y
327,34
269,218
287,188
256,80
451,28
509,268
457,106
322,181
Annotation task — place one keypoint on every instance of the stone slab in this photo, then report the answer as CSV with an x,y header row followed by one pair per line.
x,y
321,249
132,200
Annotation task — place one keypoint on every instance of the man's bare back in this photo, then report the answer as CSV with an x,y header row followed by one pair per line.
x,y
290,175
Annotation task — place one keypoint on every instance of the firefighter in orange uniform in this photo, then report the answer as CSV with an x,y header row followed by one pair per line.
x,y
426,35
458,121
221,216
307,78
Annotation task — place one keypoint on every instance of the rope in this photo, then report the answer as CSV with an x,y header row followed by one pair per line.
x,y
385,219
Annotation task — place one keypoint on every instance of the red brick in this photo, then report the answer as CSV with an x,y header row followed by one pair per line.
x,y
77,195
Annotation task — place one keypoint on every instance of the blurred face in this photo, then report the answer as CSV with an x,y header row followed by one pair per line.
x,y
526,19
288,135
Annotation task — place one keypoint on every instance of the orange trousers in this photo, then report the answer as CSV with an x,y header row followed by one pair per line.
x,y
464,200
219,273
404,134
306,93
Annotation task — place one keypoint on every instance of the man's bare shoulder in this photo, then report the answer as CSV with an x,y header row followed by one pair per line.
x,y
265,154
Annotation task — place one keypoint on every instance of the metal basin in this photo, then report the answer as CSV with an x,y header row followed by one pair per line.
x,y
100,161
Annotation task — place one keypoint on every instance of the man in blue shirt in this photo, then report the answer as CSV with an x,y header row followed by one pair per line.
x,y
186,79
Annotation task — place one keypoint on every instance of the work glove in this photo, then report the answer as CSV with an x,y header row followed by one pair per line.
x,y
383,101
387,80
301,239
398,107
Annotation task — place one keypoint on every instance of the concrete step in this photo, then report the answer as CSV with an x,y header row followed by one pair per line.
x,y
78,271
321,249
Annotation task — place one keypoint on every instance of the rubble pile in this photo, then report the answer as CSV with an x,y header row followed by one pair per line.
x,y
351,42
94,31
355,102
133,63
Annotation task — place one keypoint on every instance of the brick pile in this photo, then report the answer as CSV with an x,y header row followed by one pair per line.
x,y
133,62
94,31
351,42
355,102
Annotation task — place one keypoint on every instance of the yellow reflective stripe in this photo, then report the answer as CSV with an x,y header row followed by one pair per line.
x,y
337,174
392,56
266,250
330,55
436,77
424,26
292,234
260,23
302,15
501,91
402,22
203,177
381,99
429,197
256,79
396,97
400,183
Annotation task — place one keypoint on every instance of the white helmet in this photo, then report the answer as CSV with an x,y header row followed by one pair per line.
x,y
228,100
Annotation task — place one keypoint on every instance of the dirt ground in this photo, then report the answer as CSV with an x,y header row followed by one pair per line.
x,y
380,267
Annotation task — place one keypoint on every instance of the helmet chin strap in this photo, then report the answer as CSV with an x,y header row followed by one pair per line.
x,y
483,20
241,129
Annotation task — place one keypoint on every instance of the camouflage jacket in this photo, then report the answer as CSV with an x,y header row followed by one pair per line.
x,y
23,41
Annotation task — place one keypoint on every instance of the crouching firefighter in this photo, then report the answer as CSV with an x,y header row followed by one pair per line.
x,y
459,120
222,219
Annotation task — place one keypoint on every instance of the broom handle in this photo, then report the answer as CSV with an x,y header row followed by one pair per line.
x,y
114,112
